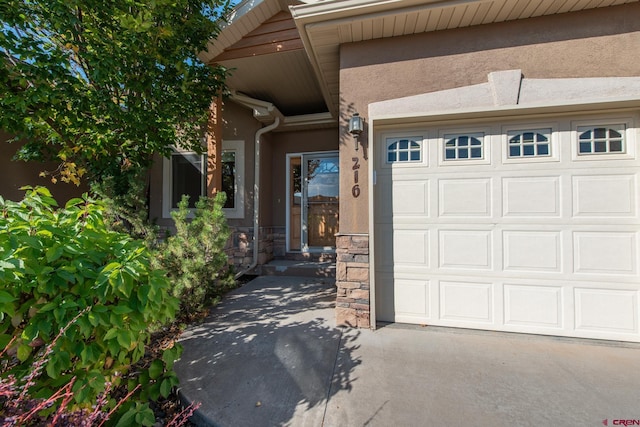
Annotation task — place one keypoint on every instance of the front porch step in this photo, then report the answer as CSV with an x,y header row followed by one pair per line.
x,y
310,256
299,268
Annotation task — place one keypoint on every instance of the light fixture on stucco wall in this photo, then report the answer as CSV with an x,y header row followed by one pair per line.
x,y
356,126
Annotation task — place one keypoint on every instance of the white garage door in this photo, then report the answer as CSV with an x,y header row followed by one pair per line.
x,y
523,227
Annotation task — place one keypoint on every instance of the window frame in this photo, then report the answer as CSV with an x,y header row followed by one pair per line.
x,y
167,179
624,125
548,129
483,134
536,144
237,146
417,134
238,211
389,141
619,128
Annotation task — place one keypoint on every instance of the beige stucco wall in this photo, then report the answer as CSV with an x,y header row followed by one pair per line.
x,y
601,42
239,125
16,174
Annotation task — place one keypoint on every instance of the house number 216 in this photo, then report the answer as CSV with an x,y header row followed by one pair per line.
x,y
355,190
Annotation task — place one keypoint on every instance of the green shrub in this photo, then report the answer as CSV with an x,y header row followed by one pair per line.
x,y
127,211
58,262
194,257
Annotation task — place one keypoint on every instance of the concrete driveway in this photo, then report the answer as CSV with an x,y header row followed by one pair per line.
x,y
270,355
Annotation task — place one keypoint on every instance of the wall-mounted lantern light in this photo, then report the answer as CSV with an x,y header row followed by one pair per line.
x,y
356,126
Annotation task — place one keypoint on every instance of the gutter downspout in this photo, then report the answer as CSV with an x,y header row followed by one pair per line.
x,y
256,195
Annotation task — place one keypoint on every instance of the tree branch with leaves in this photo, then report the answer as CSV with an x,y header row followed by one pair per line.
x,y
100,87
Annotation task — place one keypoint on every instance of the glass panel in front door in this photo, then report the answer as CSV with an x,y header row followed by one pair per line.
x,y
295,203
322,183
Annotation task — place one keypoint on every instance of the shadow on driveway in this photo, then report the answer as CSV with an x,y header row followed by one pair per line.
x,y
266,355
270,355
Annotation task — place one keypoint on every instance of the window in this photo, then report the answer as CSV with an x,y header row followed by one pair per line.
x,y
404,150
533,143
601,140
229,178
188,171
463,147
233,178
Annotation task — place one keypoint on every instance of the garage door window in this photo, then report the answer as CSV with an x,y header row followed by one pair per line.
x,y
601,140
404,150
530,143
463,147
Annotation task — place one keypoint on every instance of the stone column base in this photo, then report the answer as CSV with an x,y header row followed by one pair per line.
x,y
352,279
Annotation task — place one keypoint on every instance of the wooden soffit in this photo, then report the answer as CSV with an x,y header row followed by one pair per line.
x,y
275,35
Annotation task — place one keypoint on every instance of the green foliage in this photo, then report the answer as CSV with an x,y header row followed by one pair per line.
x,y
101,86
138,414
58,262
194,257
127,212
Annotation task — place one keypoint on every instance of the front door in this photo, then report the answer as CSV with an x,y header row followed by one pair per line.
x,y
314,205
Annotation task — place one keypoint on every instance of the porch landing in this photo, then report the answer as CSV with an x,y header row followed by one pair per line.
x,y
285,267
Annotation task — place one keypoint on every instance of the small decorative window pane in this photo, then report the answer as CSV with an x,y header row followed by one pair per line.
x,y
463,147
534,143
601,140
404,150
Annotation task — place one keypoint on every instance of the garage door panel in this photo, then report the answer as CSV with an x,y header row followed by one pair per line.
x,y
403,300
411,247
408,200
385,303
533,306
466,301
405,249
465,249
606,310
537,242
604,196
384,251
605,253
465,197
412,298
532,251
531,196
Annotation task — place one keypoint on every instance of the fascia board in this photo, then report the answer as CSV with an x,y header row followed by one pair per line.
x,y
322,14
239,13
315,64
309,119
624,103
329,10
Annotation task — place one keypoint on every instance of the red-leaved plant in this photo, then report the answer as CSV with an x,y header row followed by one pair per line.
x,y
18,408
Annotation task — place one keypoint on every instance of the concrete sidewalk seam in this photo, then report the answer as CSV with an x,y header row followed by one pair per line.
x,y
333,375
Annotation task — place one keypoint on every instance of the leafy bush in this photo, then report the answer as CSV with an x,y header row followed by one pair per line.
x,y
194,257
19,408
127,211
58,262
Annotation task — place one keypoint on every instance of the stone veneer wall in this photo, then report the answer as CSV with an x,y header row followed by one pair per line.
x,y
279,242
352,279
240,246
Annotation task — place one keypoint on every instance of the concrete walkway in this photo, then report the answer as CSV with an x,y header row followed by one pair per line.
x,y
270,355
